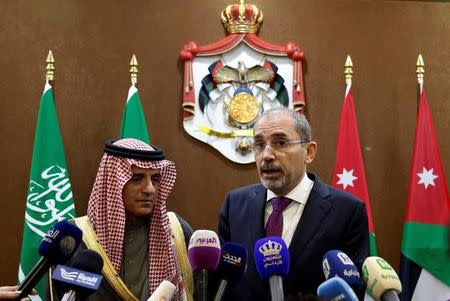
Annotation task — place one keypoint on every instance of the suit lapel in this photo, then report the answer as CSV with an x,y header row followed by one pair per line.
x,y
316,209
256,206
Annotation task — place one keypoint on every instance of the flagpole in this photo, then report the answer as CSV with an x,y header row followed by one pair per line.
x,y
348,74
50,70
49,77
134,70
50,67
420,75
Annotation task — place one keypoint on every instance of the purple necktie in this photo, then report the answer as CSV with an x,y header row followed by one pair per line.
x,y
274,226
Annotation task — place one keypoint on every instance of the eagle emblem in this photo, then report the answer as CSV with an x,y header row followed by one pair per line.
x,y
242,74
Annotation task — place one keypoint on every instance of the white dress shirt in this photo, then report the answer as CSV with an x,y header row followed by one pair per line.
x,y
292,214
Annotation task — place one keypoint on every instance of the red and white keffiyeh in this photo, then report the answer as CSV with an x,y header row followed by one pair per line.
x,y
106,212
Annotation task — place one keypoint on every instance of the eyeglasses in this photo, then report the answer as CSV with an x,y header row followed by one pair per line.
x,y
278,145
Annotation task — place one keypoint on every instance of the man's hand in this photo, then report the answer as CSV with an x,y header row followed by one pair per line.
x,y
9,292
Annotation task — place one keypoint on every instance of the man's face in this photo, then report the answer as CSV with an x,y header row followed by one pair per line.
x,y
140,192
281,168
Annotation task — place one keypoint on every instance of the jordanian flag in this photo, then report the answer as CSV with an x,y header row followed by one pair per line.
x,y
49,193
133,120
425,260
348,171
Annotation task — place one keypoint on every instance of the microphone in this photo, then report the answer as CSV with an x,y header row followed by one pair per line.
x,y
232,266
83,277
203,256
337,263
272,262
57,246
382,281
336,289
164,292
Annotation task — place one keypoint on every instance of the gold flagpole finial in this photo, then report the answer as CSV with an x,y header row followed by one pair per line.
x,y
50,67
134,69
420,69
348,69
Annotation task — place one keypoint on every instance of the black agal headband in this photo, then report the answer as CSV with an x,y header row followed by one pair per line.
x,y
119,151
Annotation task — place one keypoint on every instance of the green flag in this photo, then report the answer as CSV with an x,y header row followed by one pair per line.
x,y
133,120
49,193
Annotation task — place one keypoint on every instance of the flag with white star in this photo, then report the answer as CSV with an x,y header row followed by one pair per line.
x,y
425,261
349,171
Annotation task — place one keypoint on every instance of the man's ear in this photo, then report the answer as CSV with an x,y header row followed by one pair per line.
x,y
311,151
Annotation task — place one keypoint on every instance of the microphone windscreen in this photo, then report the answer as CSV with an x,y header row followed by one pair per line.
x,y
164,292
83,275
271,257
336,289
233,262
337,263
60,242
82,282
89,261
380,277
204,250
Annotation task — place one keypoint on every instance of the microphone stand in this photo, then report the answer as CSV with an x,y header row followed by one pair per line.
x,y
276,288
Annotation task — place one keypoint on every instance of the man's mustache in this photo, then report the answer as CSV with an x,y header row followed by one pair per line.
x,y
270,167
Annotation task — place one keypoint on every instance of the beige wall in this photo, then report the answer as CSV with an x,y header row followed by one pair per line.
x,y
92,42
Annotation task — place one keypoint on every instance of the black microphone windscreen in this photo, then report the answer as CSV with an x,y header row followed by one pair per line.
x,y
84,261
57,246
89,261
233,262
60,242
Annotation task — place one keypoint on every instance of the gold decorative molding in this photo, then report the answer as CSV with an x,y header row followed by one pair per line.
x,y
50,66
134,69
348,70
420,69
242,18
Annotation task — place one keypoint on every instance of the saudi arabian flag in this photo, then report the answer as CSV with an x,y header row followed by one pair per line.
x,y
49,193
133,120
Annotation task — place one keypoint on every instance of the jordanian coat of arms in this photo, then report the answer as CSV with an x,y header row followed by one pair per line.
x,y
229,83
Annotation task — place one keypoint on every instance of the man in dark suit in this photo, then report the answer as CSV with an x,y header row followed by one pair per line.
x,y
317,218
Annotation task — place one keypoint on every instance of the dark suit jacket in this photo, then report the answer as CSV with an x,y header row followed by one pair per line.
x,y
332,219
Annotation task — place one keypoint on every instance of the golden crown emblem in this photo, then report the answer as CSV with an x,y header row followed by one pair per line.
x,y
242,18
270,248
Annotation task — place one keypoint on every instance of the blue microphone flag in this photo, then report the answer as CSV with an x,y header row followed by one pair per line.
x,y
336,289
233,262
337,263
271,257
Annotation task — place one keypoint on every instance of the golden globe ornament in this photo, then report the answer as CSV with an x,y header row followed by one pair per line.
x,y
243,108
244,145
